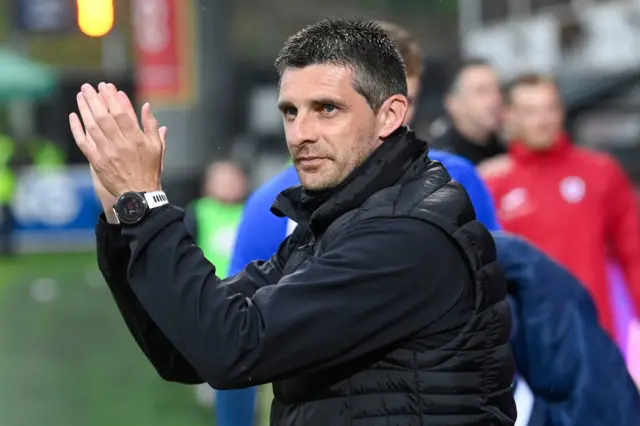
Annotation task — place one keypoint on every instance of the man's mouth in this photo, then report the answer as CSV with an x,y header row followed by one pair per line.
x,y
310,161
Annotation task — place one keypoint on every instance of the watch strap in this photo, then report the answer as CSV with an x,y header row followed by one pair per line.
x,y
156,199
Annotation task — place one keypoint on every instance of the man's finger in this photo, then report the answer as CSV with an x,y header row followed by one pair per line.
x,y
105,105
127,126
100,113
91,126
104,102
163,135
163,139
128,106
150,124
86,145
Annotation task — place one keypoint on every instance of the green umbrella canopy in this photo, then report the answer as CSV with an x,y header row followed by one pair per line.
x,y
23,78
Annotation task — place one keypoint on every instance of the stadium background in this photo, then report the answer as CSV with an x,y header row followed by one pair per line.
x,y
66,358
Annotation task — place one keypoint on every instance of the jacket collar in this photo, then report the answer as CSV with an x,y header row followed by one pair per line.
x,y
398,158
558,151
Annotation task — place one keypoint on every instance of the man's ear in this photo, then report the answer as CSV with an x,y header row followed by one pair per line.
x,y
391,115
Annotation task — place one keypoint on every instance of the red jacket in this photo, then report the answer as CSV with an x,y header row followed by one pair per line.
x,y
579,207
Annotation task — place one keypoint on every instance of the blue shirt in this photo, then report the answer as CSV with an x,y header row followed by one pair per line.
x,y
257,219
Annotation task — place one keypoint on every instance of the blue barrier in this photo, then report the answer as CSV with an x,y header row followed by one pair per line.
x,y
55,210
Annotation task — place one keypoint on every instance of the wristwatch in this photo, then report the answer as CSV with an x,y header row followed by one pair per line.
x,y
132,207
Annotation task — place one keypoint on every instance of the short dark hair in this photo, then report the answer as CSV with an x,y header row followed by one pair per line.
x,y
529,79
360,45
459,68
407,45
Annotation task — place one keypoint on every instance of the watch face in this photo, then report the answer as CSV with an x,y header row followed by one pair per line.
x,y
131,207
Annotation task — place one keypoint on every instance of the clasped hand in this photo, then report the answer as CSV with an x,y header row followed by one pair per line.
x,y
123,156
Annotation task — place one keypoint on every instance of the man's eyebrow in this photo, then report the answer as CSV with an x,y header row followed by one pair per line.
x,y
282,105
330,101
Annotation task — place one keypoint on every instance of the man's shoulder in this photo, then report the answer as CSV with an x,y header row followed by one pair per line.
x,y
431,197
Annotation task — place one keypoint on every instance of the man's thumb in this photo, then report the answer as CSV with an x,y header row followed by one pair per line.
x,y
163,132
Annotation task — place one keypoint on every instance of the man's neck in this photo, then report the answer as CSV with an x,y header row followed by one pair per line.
x,y
474,135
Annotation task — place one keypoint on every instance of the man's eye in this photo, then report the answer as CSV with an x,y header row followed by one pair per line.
x,y
289,112
329,109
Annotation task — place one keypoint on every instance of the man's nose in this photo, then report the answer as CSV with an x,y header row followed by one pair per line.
x,y
303,130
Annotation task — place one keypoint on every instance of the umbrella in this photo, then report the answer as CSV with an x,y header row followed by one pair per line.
x,y
23,78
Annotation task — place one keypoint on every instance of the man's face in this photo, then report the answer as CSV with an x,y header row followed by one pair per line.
x,y
330,128
413,90
536,115
477,99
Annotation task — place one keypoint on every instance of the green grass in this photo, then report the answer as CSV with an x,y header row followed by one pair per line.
x,y
66,357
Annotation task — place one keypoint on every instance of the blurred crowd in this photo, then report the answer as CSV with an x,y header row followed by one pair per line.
x,y
578,205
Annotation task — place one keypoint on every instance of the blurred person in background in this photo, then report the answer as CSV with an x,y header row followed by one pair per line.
x,y
212,220
575,204
320,318
473,102
546,353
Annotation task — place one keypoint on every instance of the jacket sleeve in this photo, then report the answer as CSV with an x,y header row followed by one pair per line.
x,y
560,348
623,227
547,353
368,290
191,221
113,259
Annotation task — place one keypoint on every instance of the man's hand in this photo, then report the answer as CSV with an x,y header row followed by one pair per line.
x,y
123,157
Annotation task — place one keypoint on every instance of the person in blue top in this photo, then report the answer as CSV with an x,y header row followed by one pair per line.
x,y
573,373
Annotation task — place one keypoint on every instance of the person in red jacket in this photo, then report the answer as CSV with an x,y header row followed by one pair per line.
x,y
577,205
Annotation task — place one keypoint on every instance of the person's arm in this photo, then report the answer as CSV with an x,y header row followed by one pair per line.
x,y
561,349
623,227
377,283
547,351
113,259
191,221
